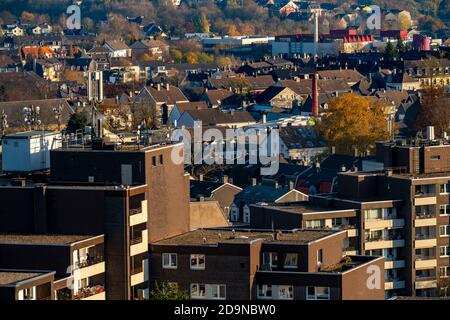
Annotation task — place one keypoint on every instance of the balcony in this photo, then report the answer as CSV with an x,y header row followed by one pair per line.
x,y
384,242
394,264
424,221
393,284
425,200
89,267
140,273
352,232
425,263
139,245
91,293
426,284
138,216
384,223
424,241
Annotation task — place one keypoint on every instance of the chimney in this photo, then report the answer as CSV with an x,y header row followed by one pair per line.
x,y
168,86
276,185
254,181
291,185
315,98
200,177
225,178
333,150
430,133
264,118
158,86
131,94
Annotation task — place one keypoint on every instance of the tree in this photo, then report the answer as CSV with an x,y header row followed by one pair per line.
x,y
176,55
401,47
353,121
77,121
203,23
390,53
434,109
168,291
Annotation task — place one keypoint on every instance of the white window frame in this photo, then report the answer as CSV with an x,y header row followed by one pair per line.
x,y
197,291
169,260
288,289
291,256
447,254
246,214
234,213
264,288
446,229
197,257
446,209
271,260
315,297
446,188
209,291
446,272
31,290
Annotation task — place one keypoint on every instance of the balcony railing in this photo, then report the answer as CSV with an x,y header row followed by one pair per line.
x,y
425,236
384,238
135,211
135,240
137,269
425,257
89,291
45,298
89,261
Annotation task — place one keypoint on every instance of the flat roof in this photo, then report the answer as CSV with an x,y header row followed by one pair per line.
x,y
301,208
42,239
215,236
30,134
12,277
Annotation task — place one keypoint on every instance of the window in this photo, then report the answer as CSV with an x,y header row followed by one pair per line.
x,y
291,260
318,293
246,214
218,291
444,272
208,291
264,291
373,214
197,261
285,292
29,293
336,222
445,210
445,188
315,223
154,161
160,159
444,251
435,157
169,260
234,213
320,256
270,258
444,231
374,252
198,291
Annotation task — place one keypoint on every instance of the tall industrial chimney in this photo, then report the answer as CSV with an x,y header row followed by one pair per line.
x,y
316,33
315,96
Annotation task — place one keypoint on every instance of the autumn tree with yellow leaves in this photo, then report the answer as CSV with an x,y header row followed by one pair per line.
x,y
353,121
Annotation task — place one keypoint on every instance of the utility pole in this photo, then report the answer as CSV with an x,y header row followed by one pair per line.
x,y
57,113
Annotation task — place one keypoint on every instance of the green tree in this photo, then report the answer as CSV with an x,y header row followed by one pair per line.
x,y
168,291
203,23
391,52
77,121
401,46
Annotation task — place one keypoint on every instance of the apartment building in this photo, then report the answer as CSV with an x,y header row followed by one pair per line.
x,y
121,195
401,213
219,264
77,263
26,285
